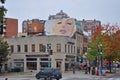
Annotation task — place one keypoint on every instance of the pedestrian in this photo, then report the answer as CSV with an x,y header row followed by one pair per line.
x,y
88,67
81,66
73,66
93,70
85,68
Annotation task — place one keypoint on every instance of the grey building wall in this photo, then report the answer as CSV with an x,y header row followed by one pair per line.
x,y
62,57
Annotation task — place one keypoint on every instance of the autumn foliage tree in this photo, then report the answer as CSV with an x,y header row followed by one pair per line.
x,y
112,39
96,38
109,37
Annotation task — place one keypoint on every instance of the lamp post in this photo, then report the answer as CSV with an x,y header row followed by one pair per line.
x,y
100,57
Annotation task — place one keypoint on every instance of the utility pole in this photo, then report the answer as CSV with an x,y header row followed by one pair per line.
x,y
100,57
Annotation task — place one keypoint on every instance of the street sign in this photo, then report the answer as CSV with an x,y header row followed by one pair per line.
x,y
49,64
49,46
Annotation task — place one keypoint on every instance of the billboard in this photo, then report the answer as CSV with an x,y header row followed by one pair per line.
x,y
65,27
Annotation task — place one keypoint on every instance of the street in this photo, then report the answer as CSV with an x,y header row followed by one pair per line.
x,y
66,76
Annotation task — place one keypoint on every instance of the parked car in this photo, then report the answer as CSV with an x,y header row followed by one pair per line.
x,y
49,73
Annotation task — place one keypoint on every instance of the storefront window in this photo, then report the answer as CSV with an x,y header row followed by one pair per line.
x,y
44,64
31,63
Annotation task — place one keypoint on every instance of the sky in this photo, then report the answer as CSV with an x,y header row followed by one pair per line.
x,y
107,11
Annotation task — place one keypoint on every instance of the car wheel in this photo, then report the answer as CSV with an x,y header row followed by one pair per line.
x,y
37,77
57,79
50,79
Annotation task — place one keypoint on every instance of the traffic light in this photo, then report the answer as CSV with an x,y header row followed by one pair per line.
x,y
79,59
49,64
100,50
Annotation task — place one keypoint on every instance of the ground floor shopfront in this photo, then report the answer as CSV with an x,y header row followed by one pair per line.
x,y
34,62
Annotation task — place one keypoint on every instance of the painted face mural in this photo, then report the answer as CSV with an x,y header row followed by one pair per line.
x,y
65,27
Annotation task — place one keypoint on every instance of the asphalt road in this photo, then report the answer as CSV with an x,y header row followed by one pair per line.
x,y
67,76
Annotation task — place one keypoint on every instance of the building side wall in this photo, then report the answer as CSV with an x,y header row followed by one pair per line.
x,y
11,27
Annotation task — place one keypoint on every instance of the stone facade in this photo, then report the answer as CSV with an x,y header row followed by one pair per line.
x,y
33,57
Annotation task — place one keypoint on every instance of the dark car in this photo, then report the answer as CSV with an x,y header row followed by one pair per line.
x,y
49,73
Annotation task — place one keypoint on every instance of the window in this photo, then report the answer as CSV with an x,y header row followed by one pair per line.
x,y
44,64
58,47
42,48
30,29
78,49
35,29
74,49
68,48
71,48
31,63
18,48
26,48
33,47
65,48
12,48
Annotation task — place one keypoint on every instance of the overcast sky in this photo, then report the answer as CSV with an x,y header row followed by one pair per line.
x,y
107,11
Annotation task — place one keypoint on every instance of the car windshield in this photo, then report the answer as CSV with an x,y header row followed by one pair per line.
x,y
49,70
46,70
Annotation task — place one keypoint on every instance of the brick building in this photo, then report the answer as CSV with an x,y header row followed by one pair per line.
x,y
10,28
32,27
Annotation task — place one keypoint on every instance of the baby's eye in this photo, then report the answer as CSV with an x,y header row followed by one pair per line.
x,y
59,22
69,23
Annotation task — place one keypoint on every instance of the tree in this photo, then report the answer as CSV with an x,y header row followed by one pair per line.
x,y
97,37
2,10
2,14
4,50
112,37
3,45
109,37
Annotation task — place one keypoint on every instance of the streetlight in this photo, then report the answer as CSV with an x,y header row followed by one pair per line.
x,y
100,57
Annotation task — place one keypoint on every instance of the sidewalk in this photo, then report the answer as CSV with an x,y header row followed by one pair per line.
x,y
78,74
110,74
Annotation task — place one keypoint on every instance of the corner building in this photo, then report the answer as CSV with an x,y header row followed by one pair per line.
x,y
32,54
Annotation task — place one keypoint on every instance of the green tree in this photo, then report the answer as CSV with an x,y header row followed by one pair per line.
x,y
3,10
4,50
96,38
2,14
3,45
